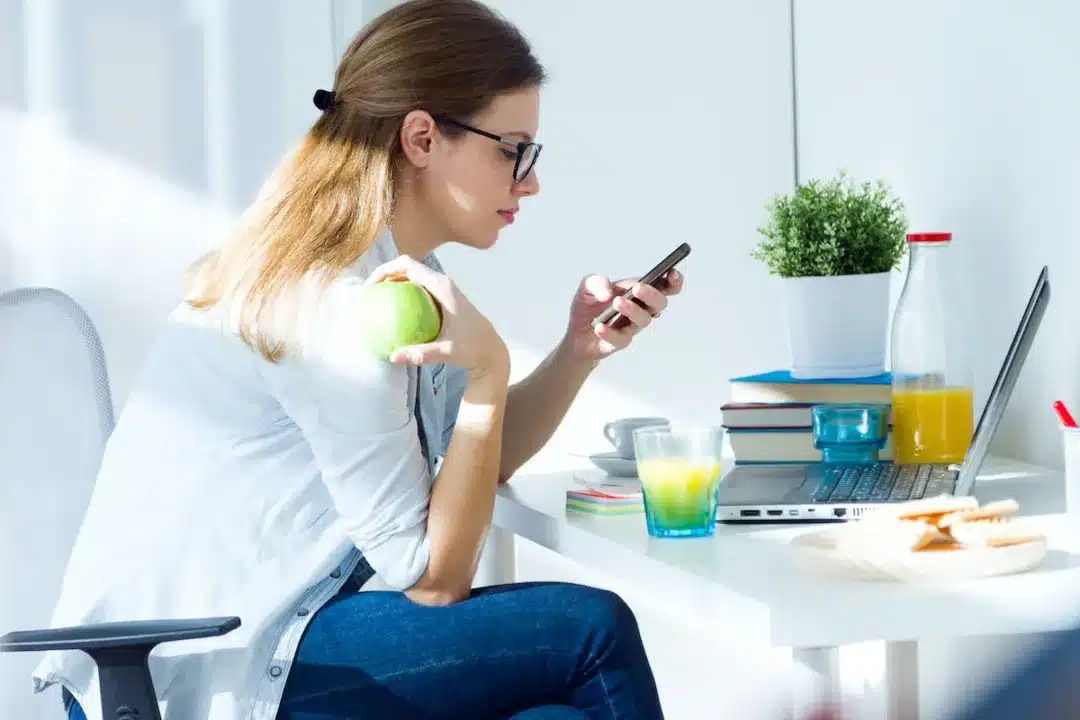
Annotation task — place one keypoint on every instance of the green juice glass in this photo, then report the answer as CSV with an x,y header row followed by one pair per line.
x,y
679,469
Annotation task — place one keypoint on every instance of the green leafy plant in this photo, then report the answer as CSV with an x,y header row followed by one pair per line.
x,y
833,227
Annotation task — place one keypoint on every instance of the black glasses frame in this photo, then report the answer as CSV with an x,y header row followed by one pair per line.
x,y
520,147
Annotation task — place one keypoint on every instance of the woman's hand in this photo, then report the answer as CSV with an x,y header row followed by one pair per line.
x,y
596,294
467,339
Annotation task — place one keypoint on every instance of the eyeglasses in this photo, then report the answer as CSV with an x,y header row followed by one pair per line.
x,y
527,152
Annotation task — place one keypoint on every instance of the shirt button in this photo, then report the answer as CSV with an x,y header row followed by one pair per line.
x,y
336,574
275,671
302,612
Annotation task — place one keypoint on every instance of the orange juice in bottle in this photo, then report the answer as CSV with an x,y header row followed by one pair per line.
x,y
932,426
932,400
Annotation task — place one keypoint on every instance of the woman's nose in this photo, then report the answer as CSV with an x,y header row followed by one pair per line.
x,y
529,185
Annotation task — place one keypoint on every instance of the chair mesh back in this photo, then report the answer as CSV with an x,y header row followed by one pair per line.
x,y
55,415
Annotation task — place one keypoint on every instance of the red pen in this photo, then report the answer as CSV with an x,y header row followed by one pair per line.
x,y
1064,415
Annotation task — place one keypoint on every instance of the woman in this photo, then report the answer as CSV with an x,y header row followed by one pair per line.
x,y
267,466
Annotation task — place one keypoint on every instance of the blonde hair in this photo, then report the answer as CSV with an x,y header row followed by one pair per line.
x,y
327,201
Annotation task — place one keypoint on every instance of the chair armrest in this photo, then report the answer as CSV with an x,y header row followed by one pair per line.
x,y
121,651
147,633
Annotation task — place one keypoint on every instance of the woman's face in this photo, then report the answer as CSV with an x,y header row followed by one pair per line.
x,y
468,181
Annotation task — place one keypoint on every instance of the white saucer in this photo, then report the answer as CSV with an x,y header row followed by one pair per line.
x,y
615,464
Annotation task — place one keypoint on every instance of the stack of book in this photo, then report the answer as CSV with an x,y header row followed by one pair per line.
x,y
768,418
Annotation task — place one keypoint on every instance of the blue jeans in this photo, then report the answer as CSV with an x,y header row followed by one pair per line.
x,y
527,651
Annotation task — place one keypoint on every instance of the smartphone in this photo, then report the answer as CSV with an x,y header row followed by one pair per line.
x,y
654,277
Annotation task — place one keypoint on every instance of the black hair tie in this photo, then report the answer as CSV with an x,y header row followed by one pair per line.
x,y
324,99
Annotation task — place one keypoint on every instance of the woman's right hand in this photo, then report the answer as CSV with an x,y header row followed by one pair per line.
x,y
467,339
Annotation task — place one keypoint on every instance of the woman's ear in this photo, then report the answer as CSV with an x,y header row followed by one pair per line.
x,y
418,134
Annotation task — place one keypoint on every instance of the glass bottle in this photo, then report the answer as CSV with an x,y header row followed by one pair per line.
x,y
932,398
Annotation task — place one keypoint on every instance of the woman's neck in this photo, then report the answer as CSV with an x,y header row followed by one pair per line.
x,y
415,232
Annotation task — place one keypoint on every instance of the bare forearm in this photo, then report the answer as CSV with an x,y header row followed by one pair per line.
x,y
536,405
463,494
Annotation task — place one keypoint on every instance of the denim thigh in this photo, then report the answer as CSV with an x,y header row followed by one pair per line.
x,y
544,649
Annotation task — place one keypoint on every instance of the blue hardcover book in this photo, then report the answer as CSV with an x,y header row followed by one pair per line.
x,y
777,386
784,376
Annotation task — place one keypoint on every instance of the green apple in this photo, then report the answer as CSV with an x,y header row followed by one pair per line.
x,y
397,313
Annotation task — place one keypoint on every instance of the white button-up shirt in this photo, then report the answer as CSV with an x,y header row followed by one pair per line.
x,y
234,486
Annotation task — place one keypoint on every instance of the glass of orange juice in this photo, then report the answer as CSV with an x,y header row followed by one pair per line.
x,y
679,469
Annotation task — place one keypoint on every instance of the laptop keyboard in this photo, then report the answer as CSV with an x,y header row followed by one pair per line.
x,y
884,482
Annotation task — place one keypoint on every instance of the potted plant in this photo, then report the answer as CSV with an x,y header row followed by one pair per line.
x,y
834,244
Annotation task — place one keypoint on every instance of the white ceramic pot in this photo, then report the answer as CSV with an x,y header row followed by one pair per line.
x,y
837,325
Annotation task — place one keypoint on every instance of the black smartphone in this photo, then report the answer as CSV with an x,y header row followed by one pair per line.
x,y
654,277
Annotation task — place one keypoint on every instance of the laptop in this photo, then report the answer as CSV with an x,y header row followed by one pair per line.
x,y
840,492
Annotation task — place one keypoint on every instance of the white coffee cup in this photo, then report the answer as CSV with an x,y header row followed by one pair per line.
x,y
620,433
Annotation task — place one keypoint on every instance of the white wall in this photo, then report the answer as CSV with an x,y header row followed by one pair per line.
x,y
659,127
132,131
970,110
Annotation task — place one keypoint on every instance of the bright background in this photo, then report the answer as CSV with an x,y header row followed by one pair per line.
x,y
133,131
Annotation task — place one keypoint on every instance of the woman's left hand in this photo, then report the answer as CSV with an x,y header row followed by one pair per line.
x,y
596,294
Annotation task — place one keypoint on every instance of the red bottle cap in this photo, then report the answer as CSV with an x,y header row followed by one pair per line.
x,y
929,237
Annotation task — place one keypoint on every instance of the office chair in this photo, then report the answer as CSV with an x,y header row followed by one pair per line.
x,y
56,413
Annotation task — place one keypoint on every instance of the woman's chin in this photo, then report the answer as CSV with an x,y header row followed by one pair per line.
x,y
481,240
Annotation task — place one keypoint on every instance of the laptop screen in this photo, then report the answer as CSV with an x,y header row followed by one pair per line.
x,y
1004,384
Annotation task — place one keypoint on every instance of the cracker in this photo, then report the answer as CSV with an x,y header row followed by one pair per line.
x,y
928,510
910,535
996,532
948,545
990,511
943,523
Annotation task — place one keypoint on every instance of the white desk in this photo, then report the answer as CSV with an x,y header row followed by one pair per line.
x,y
748,572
